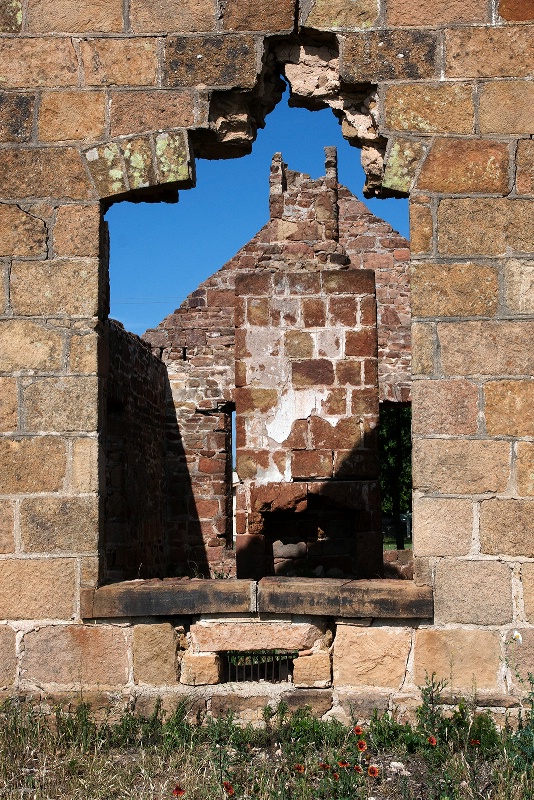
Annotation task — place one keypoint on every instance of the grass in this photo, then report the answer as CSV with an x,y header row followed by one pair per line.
x,y
292,756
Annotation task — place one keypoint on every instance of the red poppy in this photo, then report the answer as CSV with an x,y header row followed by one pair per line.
x,y
474,742
358,730
178,791
299,768
432,741
335,776
323,765
358,769
362,746
343,764
373,771
228,788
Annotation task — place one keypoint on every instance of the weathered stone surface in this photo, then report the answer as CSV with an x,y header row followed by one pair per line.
x,y
61,404
519,658
11,16
154,654
247,708
419,12
140,111
527,577
251,398
27,345
248,15
359,706
319,700
507,527
8,658
37,589
122,62
388,55
460,466
84,351
76,654
21,234
402,163
491,227
486,348
32,464
43,172
444,407
525,468
473,592
454,290
172,157
200,669
76,231
313,670
442,526
507,106
340,14
67,287
225,61
7,521
220,636
309,595
421,227
508,408
525,167
70,16
311,464
107,168
489,52
458,166
56,524
422,349
33,62
16,116
519,284
445,108
72,115
467,659
516,10
370,656
8,404
313,372
172,16
385,599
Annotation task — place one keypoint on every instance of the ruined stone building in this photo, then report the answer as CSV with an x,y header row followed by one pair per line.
x,y
106,100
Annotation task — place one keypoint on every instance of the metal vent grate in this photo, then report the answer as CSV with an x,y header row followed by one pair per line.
x,y
274,666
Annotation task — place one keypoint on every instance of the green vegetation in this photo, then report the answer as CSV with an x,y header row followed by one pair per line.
x,y
395,447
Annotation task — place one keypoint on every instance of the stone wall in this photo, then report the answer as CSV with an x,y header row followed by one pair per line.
x,y
99,100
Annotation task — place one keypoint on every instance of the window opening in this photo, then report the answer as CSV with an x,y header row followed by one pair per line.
x,y
395,448
271,666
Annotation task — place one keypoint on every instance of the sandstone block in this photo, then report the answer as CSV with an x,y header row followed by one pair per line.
x,y
247,709
525,468
225,61
221,636
349,372
313,670
140,170
319,700
361,343
7,522
56,524
311,464
20,233
473,592
422,349
61,404
444,407
28,345
107,168
312,372
486,348
388,55
345,434
519,284
418,12
466,659
359,706
489,52
486,226
70,16
421,226
37,589
140,111
506,527
467,467
90,655
8,658
16,116
43,172
516,10
525,167
121,62
32,465
84,353
248,15
252,399
508,408
72,115
527,578
172,157
172,16
445,108
442,526
507,106
453,290
68,287
11,17
8,404
457,166
154,654
519,658
76,232
34,62
341,14
370,656
355,281
298,344
402,164
199,669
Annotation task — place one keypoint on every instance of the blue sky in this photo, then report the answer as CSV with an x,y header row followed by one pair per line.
x,y
160,252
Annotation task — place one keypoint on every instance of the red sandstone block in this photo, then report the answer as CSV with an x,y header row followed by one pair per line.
x,y
349,372
370,372
517,10
226,61
343,311
212,466
361,343
368,311
206,509
313,372
254,283
344,435
311,464
250,556
303,283
354,281
314,313
249,15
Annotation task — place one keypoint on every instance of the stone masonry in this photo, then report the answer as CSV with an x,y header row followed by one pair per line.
x,y
101,101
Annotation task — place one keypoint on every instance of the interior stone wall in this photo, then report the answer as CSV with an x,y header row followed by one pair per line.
x,y
99,100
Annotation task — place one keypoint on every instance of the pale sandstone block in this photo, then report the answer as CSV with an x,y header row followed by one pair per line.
x,y
220,636
21,234
84,353
89,572
313,670
489,52
509,408
8,658
525,468
91,655
507,106
61,404
72,115
174,16
487,348
519,285
71,16
422,349
444,407
466,659
43,172
122,62
520,657
42,61
28,345
485,226
420,12
527,578
453,290
76,232
453,466
442,526
154,654
507,527
473,592
421,227
65,287
343,14
525,167
52,524
370,656
37,589
430,108
200,669
8,404
32,465
7,522
85,465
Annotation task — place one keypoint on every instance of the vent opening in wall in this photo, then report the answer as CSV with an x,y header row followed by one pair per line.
x,y
272,666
